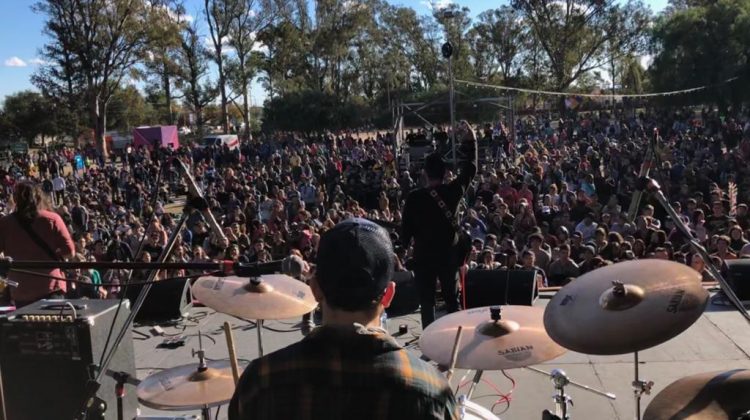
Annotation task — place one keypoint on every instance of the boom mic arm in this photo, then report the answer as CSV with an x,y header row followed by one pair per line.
x,y
198,200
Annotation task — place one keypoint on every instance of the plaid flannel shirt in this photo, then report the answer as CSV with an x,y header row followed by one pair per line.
x,y
338,373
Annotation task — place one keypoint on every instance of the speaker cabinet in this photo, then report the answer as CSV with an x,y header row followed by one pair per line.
x,y
738,277
167,300
500,287
406,299
46,352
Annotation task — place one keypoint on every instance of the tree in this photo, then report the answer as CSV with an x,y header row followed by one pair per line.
x,y
29,115
219,16
497,40
128,109
192,72
704,46
103,38
254,16
160,55
574,33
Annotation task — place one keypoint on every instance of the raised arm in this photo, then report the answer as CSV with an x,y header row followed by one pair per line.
x,y
468,147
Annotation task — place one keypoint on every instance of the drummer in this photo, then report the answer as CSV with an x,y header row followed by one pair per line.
x,y
349,367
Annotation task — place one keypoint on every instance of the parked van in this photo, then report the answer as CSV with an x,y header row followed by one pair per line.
x,y
231,140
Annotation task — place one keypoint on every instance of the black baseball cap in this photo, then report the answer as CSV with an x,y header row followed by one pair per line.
x,y
354,264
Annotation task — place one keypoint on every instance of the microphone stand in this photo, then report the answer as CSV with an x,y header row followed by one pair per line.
x,y
648,160
195,191
92,402
653,187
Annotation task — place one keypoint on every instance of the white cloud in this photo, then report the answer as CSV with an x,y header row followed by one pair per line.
x,y
436,4
647,60
260,47
14,62
37,62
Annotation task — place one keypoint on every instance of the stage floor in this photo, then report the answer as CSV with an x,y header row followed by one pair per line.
x,y
719,340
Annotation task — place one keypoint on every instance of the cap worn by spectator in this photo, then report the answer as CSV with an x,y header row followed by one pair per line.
x,y
354,263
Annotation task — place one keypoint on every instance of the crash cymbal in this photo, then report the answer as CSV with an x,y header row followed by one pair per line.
x,y
273,296
625,307
517,339
706,396
185,388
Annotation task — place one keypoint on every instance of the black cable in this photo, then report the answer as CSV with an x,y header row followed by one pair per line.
x,y
218,410
137,283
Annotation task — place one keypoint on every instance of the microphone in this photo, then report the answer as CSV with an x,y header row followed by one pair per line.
x,y
198,201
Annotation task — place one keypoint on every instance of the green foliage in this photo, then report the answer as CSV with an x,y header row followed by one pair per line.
x,y
705,44
27,115
313,111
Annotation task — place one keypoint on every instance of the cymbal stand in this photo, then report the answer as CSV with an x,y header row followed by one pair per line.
x,y
202,366
640,387
474,383
259,327
562,400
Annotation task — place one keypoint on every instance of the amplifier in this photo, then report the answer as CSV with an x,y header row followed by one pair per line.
x,y
500,287
46,352
738,277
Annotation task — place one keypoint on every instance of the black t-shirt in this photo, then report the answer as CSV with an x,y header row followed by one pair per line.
x,y
424,221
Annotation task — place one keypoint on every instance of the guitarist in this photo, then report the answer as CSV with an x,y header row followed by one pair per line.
x,y
430,219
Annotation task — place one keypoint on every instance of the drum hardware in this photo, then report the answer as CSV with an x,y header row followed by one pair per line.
x,y
494,338
560,380
640,387
189,387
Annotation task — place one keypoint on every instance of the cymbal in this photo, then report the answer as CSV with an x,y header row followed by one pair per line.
x,y
706,396
273,296
185,388
516,340
625,307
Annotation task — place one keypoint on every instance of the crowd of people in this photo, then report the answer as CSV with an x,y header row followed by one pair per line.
x,y
555,200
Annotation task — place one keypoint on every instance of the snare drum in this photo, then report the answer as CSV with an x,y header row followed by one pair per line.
x,y
474,411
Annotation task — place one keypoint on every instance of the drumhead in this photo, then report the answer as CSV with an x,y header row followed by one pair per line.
x,y
474,411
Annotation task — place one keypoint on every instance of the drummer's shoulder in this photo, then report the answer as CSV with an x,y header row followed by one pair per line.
x,y
418,374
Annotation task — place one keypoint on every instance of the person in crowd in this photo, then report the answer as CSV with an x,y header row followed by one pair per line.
x,y
349,365
33,232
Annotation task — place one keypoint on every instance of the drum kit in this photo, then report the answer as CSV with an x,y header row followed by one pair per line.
x,y
619,309
210,384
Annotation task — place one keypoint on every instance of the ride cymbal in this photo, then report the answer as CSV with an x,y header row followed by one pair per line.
x,y
723,395
273,296
625,307
186,388
516,339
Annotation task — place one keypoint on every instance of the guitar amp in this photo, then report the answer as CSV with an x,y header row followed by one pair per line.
x,y
46,352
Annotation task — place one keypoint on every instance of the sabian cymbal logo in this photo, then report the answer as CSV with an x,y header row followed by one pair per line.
x,y
516,353
675,300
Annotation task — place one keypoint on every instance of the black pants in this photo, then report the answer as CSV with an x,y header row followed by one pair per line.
x,y
425,275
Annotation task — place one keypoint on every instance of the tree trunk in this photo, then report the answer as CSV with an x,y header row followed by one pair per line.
x,y
246,111
100,112
223,89
167,85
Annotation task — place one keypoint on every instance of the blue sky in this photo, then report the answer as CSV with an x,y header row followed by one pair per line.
x,y
21,37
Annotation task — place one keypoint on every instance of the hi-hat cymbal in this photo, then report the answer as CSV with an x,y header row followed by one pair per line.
x,y
185,388
274,296
625,307
517,339
706,396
